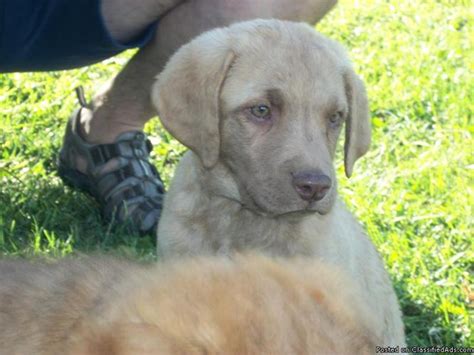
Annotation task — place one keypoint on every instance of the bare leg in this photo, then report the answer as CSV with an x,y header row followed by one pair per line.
x,y
125,105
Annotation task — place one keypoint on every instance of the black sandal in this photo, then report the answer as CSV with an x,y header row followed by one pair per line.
x,y
132,192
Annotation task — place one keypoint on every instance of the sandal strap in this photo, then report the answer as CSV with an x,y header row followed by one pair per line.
x,y
137,147
135,187
81,97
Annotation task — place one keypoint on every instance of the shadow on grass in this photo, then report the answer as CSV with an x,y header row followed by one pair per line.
x,y
57,220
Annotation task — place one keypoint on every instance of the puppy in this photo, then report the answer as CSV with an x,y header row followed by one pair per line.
x,y
261,104
246,305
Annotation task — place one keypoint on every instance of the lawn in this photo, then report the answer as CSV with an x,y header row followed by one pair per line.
x,y
413,192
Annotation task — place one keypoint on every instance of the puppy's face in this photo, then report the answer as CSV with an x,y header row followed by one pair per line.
x,y
275,96
282,107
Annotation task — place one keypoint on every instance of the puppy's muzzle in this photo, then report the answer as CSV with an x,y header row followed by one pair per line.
x,y
311,186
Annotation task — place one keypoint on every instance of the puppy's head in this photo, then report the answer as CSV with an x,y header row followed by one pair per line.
x,y
267,100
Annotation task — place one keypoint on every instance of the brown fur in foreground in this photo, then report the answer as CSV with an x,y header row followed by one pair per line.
x,y
247,305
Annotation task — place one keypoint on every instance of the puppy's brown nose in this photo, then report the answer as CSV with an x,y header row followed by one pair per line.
x,y
311,186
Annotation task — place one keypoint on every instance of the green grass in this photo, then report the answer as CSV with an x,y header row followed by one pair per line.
x,y
413,192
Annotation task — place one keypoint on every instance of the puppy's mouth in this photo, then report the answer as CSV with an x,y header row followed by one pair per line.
x,y
309,208
279,206
321,207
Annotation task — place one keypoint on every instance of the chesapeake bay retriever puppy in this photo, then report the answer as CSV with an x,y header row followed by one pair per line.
x,y
261,104
246,305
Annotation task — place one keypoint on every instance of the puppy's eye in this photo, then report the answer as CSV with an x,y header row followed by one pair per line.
x,y
336,118
261,112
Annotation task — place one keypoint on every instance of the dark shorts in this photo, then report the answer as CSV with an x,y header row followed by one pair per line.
x,y
37,35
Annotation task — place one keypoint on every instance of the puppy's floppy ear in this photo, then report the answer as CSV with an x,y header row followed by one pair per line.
x,y
357,140
187,94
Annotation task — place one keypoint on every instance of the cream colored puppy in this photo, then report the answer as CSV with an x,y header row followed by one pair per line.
x,y
250,305
261,105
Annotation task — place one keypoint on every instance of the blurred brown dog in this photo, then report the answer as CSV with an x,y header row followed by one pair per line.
x,y
244,305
